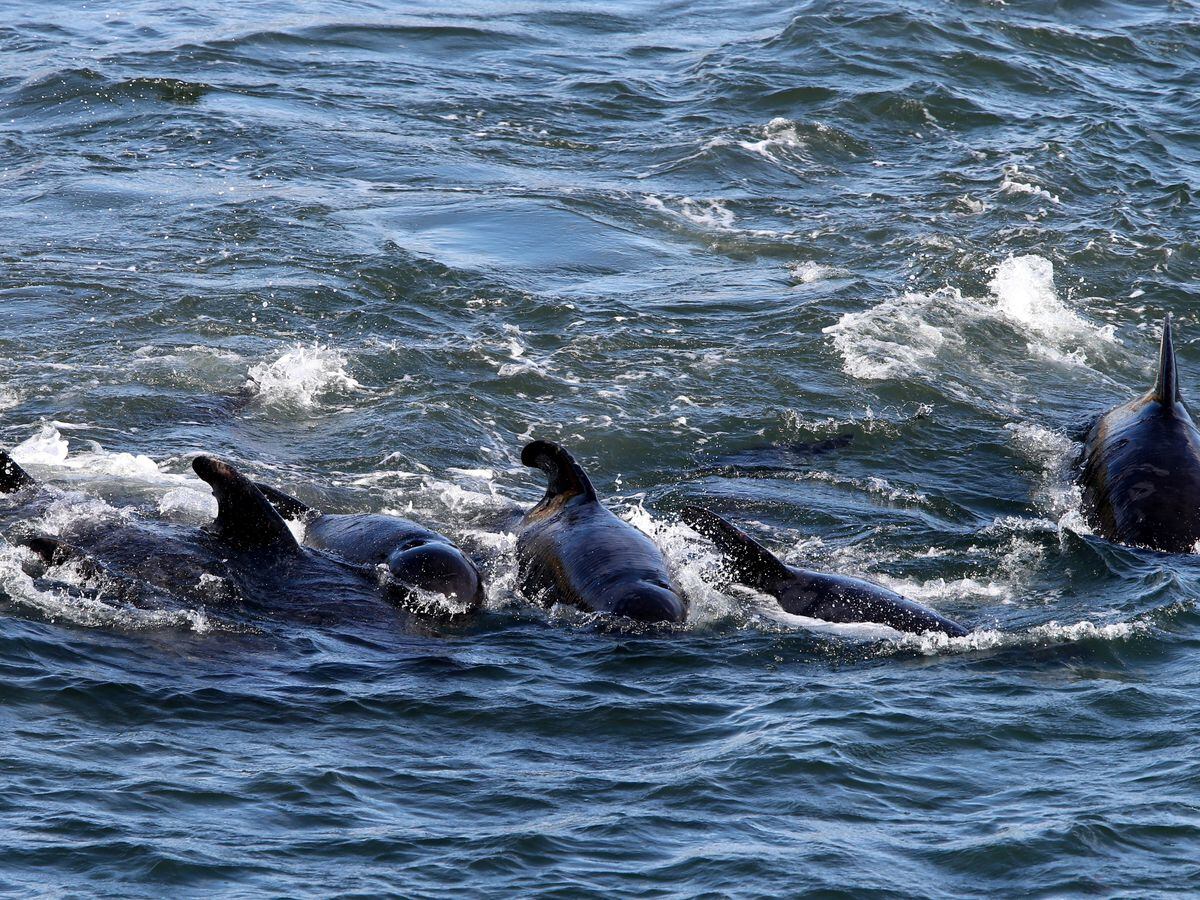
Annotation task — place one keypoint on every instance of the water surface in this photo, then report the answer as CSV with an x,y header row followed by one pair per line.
x,y
366,252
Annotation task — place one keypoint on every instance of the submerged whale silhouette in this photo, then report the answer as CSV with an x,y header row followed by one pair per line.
x,y
1140,466
801,592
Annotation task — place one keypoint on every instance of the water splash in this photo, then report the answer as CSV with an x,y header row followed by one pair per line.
x,y
301,376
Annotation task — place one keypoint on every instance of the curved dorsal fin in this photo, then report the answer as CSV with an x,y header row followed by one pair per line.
x,y
287,505
566,477
245,518
751,562
1166,385
12,476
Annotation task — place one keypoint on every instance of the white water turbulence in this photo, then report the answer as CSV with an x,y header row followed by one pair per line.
x,y
712,215
1056,492
95,605
301,377
1024,292
932,335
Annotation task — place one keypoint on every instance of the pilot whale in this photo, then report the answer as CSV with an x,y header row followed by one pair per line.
x,y
248,550
570,549
1140,467
831,598
415,556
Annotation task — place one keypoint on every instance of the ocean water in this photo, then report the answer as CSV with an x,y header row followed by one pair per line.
x,y
366,251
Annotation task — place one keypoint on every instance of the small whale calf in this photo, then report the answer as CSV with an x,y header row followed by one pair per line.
x,y
570,549
1140,467
801,592
415,557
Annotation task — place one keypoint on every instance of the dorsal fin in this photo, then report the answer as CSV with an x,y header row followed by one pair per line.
x,y
245,518
12,476
287,505
566,477
751,562
1166,385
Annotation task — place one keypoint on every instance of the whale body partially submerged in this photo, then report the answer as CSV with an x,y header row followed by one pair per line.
x,y
1140,467
572,550
818,595
248,549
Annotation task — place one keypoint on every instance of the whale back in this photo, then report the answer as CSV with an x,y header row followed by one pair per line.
x,y
246,520
287,505
751,562
1140,466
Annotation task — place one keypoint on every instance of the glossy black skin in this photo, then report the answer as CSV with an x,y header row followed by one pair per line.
x,y
264,573
572,550
1140,474
801,592
1140,467
414,555
840,598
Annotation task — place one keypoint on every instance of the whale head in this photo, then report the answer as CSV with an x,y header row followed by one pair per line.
x,y
437,567
647,602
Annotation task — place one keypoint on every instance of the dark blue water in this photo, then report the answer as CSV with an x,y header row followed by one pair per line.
x,y
367,251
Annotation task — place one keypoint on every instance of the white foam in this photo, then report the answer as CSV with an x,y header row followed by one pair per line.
x,y
932,643
191,504
809,272
45,448
1011,183
898,338
92,610
709,214
1024,290
908,336
48,453
69,510
694,565
778,134
301,375
1056,492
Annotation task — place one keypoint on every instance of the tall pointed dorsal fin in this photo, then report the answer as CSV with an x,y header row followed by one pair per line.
x,y
1166,385
566,477
12,476
245,518
751,562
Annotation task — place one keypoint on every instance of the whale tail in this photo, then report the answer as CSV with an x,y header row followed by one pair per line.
x,y
566,477
751,562
1166,385
245,518
12,476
